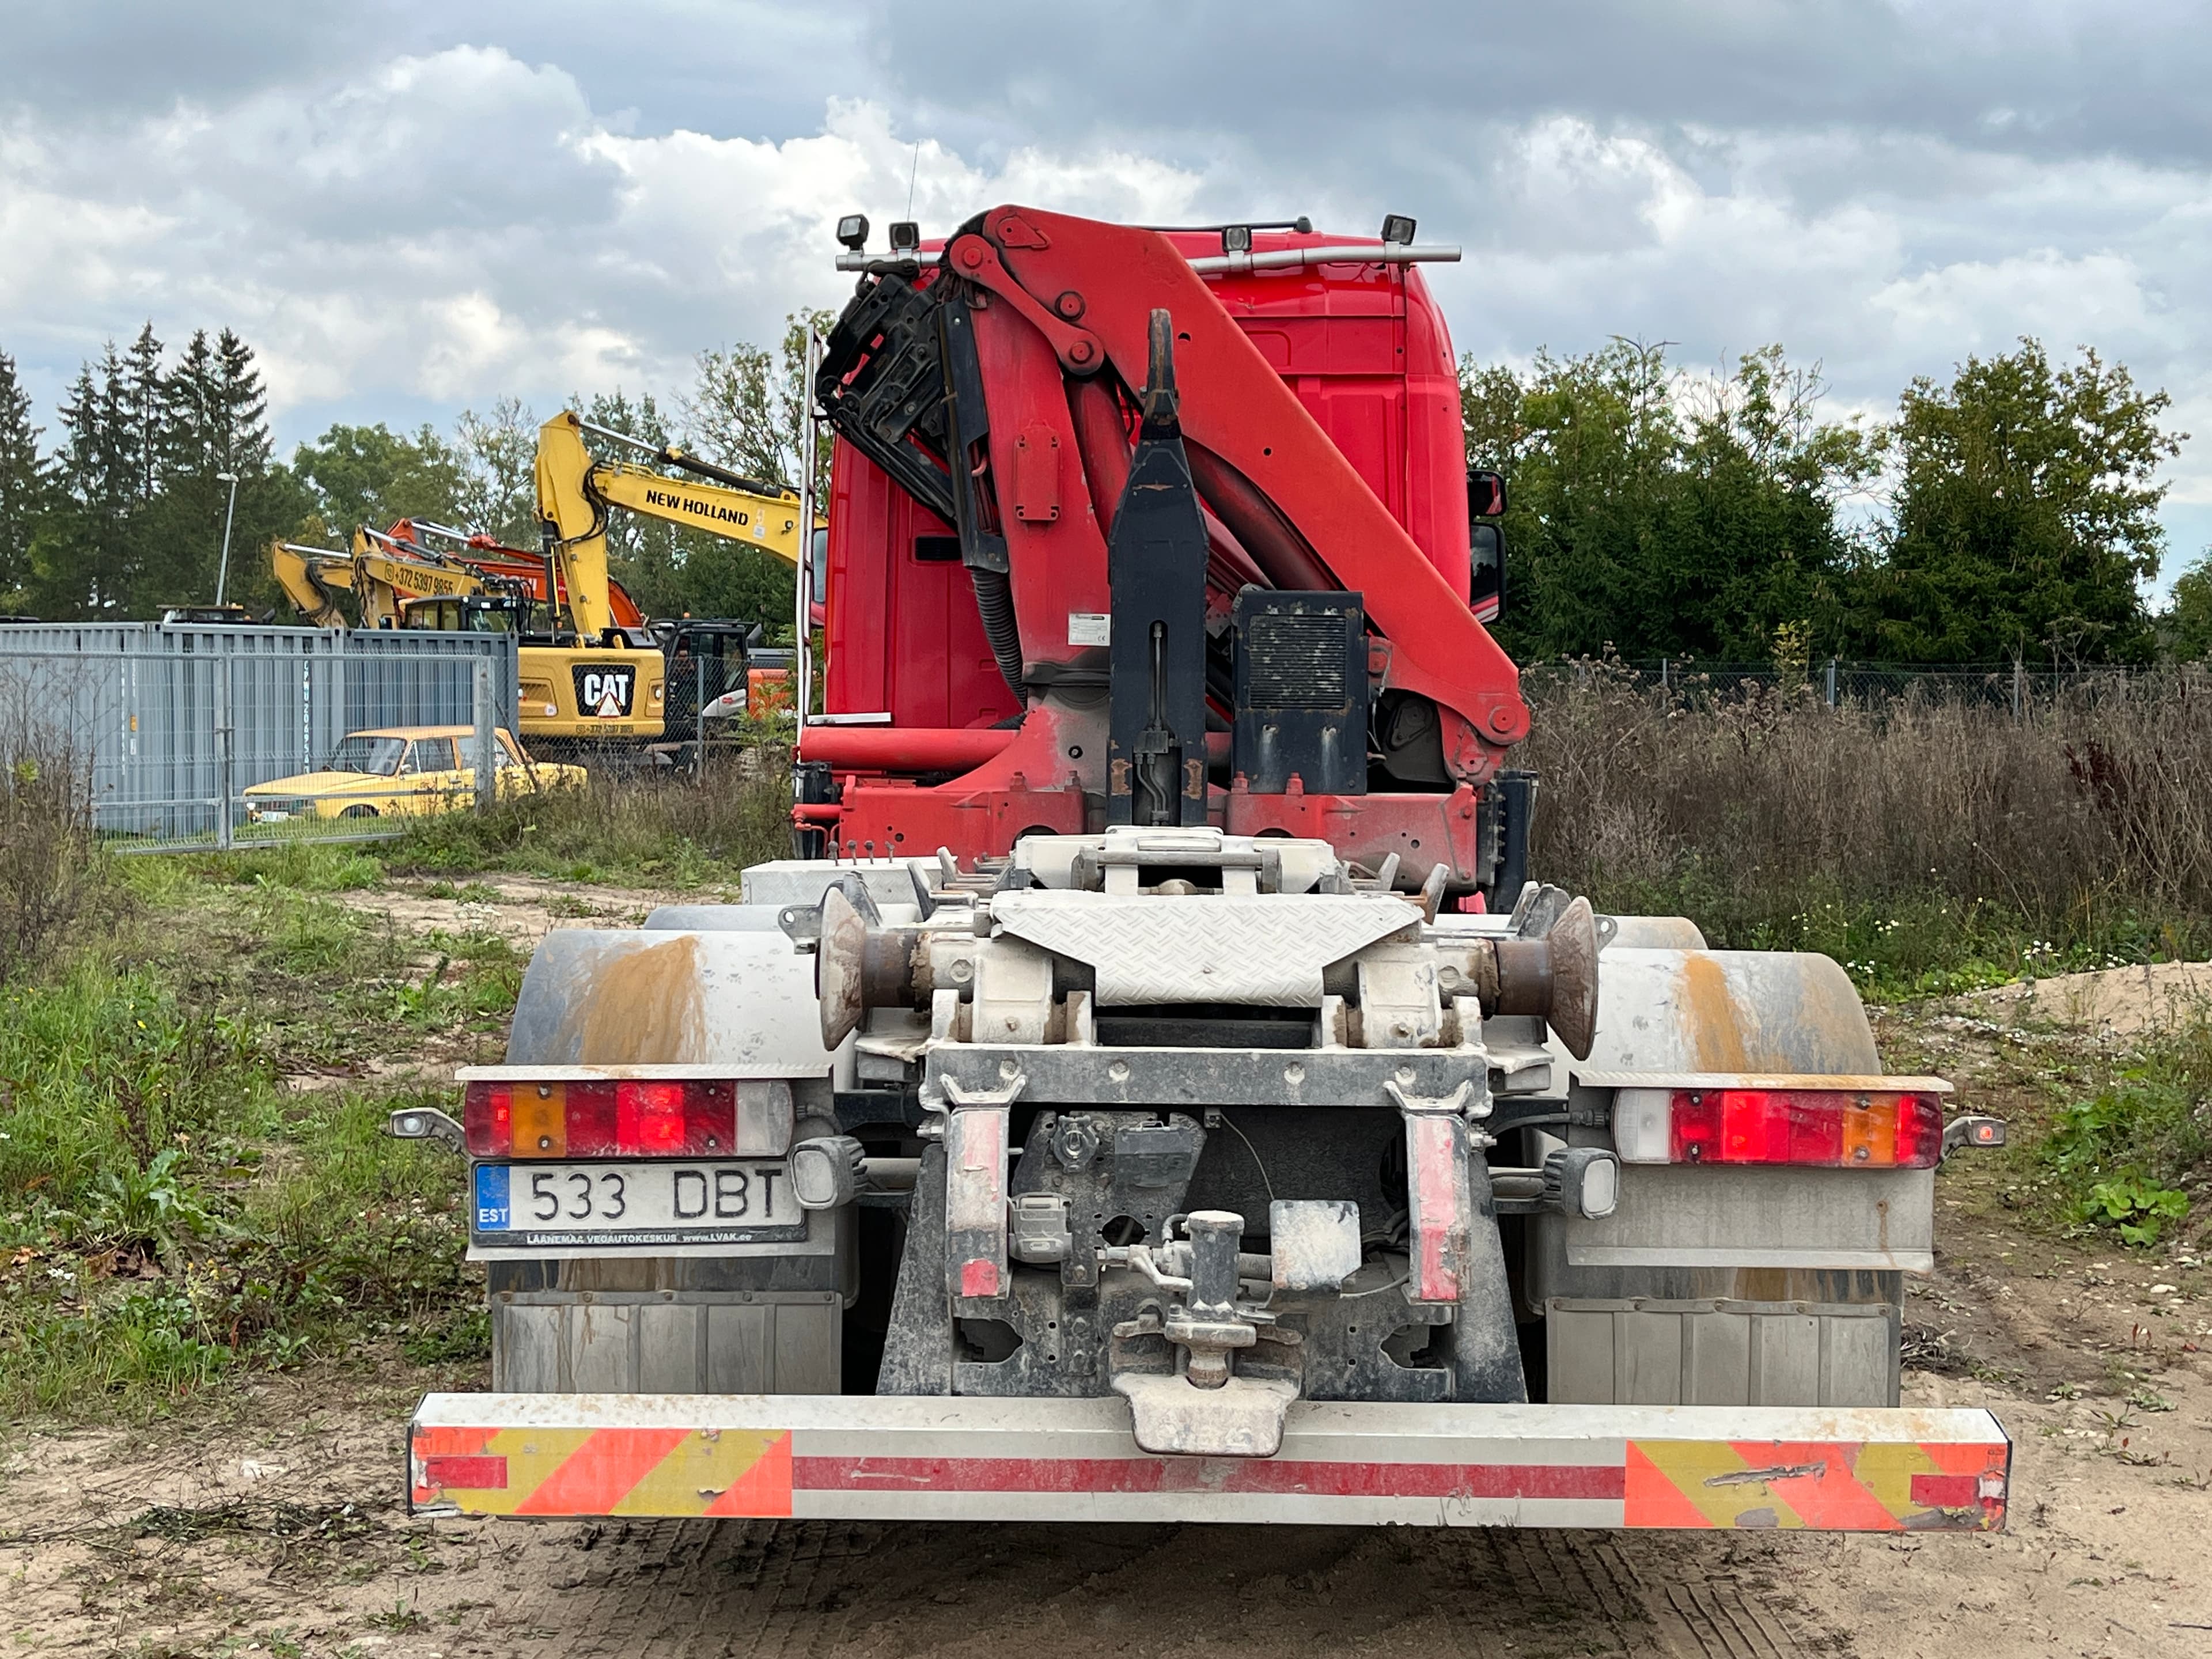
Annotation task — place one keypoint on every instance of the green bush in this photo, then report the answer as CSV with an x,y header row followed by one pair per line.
x,y
2139,1208
2121,1159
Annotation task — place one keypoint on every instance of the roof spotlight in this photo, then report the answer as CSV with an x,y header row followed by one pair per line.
x,y
906,236
1397,228
852,231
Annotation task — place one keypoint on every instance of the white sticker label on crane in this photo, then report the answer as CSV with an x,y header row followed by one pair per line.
x,y
1088,627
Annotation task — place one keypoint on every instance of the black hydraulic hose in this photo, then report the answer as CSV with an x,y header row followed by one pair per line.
x,y
994,603
672,456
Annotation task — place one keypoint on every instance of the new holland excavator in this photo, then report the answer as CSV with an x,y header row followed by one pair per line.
x,y
591,670
1165,1095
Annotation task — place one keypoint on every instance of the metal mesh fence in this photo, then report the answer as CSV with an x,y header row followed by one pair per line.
x,y
2015,686
193,737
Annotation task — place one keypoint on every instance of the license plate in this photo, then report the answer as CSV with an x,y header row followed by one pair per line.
x,y
636,1201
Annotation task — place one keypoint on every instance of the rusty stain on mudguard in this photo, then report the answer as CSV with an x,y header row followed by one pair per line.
x,y
742,1000
612,998
644,1006
1728,1012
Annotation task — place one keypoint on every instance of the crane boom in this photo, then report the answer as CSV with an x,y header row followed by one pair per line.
x,y
575,488
307,575
391,570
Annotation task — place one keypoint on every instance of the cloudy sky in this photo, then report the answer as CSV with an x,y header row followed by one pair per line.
x,y
410,207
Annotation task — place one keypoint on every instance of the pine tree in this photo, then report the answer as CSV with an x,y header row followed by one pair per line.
x,y
217,423
22,483
191,400
134,500
145,414
180,529
242,408
81,562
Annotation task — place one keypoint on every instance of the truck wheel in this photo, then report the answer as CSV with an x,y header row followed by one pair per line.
x,y
358,812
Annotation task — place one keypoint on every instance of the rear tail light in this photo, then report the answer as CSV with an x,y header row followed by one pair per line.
x,y
487,1118
627,1117
1821,1128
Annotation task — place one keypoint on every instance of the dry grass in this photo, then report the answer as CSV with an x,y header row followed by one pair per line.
x,y
662,828
1896,837
46,849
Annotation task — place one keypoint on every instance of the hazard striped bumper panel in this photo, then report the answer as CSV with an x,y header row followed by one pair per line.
x,y
961,1459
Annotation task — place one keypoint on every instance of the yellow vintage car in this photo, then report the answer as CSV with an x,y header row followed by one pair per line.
x,y
401,771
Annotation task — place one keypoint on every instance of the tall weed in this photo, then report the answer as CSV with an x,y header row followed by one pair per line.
x,y
1926,843
665,828
46,846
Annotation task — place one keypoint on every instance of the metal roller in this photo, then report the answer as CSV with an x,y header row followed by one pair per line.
x,y
860,964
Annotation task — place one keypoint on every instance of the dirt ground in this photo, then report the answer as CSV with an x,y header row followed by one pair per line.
x,y
270,1523
521,909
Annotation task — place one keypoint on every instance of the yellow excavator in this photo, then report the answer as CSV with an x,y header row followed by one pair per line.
x,y
590,669
400,578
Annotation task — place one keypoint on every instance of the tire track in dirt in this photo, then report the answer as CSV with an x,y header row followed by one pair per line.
x,y
828,1590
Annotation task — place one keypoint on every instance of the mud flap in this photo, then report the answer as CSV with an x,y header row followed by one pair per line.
x,y
918,1349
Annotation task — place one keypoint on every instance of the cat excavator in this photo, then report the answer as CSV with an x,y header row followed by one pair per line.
x,y
592,669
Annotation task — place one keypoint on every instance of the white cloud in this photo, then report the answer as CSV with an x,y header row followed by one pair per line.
x,y
403,218
461,226
1977,307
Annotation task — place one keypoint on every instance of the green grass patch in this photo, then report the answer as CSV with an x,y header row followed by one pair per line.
x,y
171,1211
472,982
1897,949
163,880
2126,1160
470,892
662,829
172,1214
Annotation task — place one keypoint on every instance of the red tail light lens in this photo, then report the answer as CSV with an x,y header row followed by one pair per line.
x,y
620,1118
651,1117
487,1118
1831,1128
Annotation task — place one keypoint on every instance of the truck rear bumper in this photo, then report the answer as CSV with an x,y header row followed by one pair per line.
x,y
554,1456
